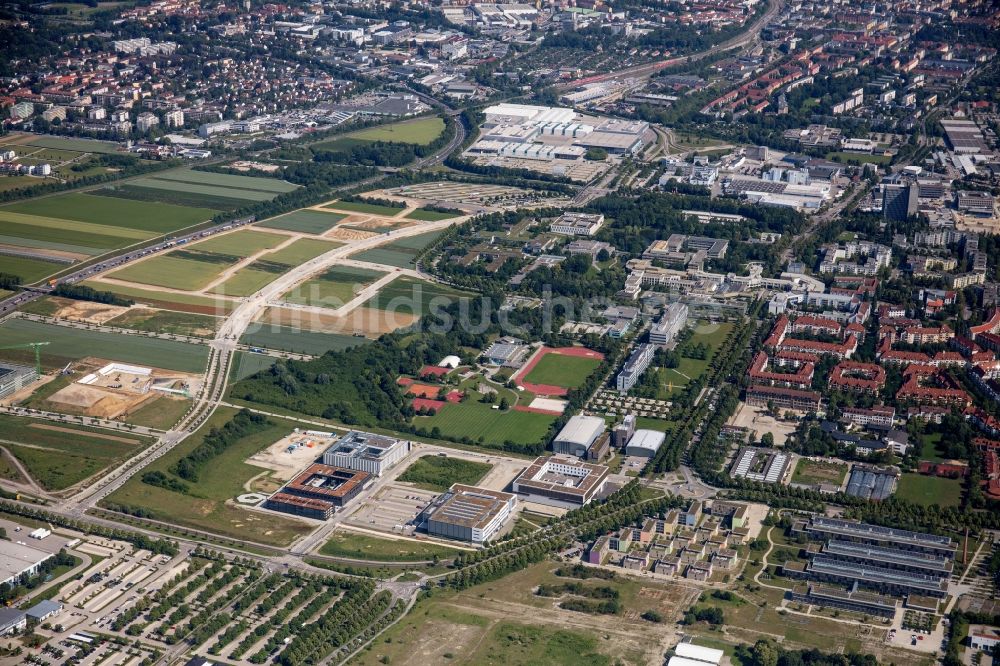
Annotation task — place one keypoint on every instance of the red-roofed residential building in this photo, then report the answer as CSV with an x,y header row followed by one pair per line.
x,y
991,325
941,394
783,398
879,416
759,374
906,358
857,377
989,341
817,326
923,335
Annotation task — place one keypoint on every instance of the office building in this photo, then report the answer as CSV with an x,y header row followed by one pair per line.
x,y
467,513
670,324
622,433
577,224
636,364
15,377
365,452
561,482
319,491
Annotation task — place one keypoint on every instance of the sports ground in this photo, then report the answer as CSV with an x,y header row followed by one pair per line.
x,y
554,371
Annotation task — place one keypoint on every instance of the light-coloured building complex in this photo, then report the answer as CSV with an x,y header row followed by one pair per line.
x,y
561,482
366,452
579,435
673,320
637,363
577,224
18,560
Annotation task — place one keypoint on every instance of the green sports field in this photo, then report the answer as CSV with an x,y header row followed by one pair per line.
x,y
927,490
477,420
564,371
71,344
303,221
362,207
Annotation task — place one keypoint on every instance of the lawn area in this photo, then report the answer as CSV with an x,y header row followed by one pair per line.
x,y
166,321
161,413
242,243
205,506
170,271
71,344
78,145
113,212
366,547
927,490
300,251
406,295
430,215
816,472
565,371
303,221
363,207
438,473
421,131
479,421
929,449
30,270
858,158
286,338
247,364
647,423
60,455
334,287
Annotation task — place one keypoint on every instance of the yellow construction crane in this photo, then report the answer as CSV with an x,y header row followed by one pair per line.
x,y
38,353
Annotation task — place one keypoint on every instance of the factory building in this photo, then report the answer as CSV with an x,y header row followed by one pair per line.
x,y
583,437
467,513
18,560
365,452
15,377
561,482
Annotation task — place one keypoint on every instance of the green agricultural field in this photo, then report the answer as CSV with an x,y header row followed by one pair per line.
x,y
170,271
205,506
564,371
399,253
30,270
416,242
96,236
76,145
406,295
334,287
815,472
71,344
248,364
245,282
439,473
286,338
420,132
127,190
477,420
161,413
154,183
112,212
60,455
430,215
242,243
229,181
205,305
303,221
362,207
300,251
927,490
366,547
165,321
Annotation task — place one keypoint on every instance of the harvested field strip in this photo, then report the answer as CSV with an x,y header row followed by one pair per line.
x,y
70,344
212,190
362,207
130,192
253,183
112,212
304,221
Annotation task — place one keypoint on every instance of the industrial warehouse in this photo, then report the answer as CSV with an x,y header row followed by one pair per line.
x,y
870,569
561,482
467,513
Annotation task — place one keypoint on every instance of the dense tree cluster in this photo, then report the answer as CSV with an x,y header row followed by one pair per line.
x,y
244,424
80,292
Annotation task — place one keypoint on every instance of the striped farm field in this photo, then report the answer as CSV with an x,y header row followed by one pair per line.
x,y
173,272
196,188
252,183
304,221
71,344
30,270
167,301
363,207
406,295
246,281
333,288
112,212
300,251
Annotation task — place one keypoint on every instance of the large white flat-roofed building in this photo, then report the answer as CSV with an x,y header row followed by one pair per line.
x,y
366,452
561,482
578,435
512,114
697,654
645,443
468,513
17,560
577,224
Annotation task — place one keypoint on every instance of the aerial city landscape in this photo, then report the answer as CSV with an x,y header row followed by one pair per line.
x,y
570,333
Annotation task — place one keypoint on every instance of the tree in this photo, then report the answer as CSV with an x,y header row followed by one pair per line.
x,y
504,404
764,653
767,439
